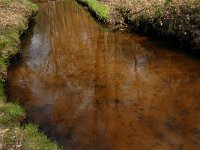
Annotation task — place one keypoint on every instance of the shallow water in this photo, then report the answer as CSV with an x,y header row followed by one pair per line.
x,y
88,88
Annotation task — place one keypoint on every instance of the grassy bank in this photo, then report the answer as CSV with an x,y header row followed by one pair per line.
x,y
100,10
171,19
14,15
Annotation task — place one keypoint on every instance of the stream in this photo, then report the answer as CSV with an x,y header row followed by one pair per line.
x,y
88,88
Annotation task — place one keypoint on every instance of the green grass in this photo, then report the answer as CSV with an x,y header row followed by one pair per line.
x,y
28,138
35,140
2,95
5,1
101,10
29,4
9,35
2,62
2,71
9,39
11,113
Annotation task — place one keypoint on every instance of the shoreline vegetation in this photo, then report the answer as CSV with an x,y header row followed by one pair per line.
x,y
14,19
170,19
177,20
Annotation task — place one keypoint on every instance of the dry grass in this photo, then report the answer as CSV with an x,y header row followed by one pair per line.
x,y
13,13
8,18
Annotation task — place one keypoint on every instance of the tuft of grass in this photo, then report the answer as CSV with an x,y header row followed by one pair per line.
x,y
8,38
5,1
2,62
27,138
2,71
29,4
35,140
100,9
11,113
22,27
2,94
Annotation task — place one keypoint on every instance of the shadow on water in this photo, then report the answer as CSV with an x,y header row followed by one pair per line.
x,y
88,88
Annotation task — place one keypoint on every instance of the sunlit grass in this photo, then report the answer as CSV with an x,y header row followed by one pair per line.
x,y
8,37
11,113
35,140
101,10
28,138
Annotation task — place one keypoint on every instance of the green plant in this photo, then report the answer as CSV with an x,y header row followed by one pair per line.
x,y
11,113
35,140
101,10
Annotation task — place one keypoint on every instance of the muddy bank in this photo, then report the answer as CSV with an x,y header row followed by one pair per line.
x,y
14,19
177,20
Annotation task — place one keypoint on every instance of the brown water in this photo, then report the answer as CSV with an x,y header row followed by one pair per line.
x,y
88,88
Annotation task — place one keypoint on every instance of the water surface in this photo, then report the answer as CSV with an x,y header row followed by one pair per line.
x,y
88,88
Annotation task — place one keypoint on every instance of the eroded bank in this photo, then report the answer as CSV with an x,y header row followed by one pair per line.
x,y
173,20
